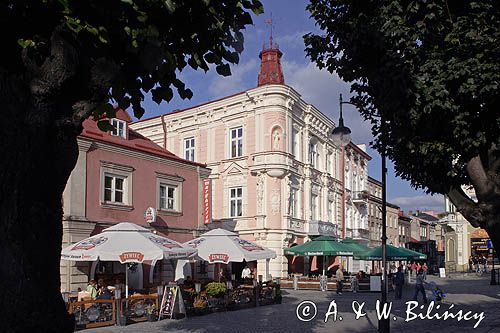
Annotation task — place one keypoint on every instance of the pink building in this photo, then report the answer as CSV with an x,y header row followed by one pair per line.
x,y
276,174
118,176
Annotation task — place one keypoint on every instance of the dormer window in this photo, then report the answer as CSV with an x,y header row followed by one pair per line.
x,y
119,128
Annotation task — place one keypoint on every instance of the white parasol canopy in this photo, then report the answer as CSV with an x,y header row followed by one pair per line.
x,y
126,243
222,246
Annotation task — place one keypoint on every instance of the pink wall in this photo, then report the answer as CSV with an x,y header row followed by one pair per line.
x,y
144,193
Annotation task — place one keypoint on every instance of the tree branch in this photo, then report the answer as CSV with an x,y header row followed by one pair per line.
x,y
57,68
479,177
465,205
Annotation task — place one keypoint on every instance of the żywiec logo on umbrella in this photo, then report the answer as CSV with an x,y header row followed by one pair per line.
x,y
218,258
195,242
167,243
89,243
247,245
131,257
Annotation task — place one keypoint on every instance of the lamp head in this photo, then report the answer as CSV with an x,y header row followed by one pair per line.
x,y
341,135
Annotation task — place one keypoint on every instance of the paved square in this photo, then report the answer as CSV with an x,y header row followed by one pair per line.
x,y
466,292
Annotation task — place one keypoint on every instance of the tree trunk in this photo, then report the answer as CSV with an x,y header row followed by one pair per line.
x,y
37,156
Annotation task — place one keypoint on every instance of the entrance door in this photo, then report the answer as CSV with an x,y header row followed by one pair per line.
x,y
135,277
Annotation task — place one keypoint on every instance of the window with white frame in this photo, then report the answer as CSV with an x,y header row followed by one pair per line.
x,y
293,202
236,202
313,154
115,188
189,149
169,197
331,208
119,128
236,137
295,144
314,207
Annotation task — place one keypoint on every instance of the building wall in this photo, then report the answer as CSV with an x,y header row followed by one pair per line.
x,y
86,214
278,130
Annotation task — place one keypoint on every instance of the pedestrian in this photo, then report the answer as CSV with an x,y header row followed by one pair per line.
x,y
419,286
419,267
485,264
399,281
408,268
339,277
470,264
475,262
425,268
414,267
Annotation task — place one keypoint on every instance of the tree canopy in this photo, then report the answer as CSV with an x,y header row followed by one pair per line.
x,y
96,51
431,70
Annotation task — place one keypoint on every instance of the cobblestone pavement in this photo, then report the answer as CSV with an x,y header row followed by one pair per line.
x,y
467,292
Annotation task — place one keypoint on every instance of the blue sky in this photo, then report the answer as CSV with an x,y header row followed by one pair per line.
x,y
320,88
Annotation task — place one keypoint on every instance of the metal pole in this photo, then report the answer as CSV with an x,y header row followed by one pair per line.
x,y
384,324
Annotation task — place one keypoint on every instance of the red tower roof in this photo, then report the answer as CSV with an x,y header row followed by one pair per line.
x,y
270,65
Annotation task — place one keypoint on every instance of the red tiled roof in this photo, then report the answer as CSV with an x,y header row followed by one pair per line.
x,y
134,140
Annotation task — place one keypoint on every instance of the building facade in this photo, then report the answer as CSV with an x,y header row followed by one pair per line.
x,y
117,177
277,178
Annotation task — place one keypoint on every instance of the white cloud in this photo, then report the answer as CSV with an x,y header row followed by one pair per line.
x,y
292,40
321,89
422,202
238,81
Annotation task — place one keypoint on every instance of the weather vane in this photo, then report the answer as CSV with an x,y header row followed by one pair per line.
x,y
269,21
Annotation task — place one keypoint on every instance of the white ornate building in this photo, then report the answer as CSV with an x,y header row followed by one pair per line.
x,y
276,174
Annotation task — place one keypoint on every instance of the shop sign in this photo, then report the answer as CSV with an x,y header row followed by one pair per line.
x,y
131,257
150,215
207,201
218,258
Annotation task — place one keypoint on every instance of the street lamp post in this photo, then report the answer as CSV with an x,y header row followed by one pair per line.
x,y
341,136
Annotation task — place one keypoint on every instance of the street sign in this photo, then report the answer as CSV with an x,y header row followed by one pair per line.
x,y
489,244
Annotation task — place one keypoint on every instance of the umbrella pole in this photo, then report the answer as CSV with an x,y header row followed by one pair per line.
x,y
267,269
126,281
324,265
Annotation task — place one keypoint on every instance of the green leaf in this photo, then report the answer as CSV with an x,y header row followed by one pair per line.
x,y
223,70
104,125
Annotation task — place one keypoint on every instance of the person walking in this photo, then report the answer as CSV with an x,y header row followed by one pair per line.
x,y
424,269
399,281
475,262
485,264
339,277
414,267
470,264
419,286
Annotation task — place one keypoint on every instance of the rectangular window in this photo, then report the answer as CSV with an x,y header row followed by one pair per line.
x,y
330,210
237,142
189,149
119,127
236,202
314,207
169,197
313,155
295,144
293,202
114,188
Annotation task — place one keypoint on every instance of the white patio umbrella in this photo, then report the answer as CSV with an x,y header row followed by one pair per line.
x,y
223,246
126,243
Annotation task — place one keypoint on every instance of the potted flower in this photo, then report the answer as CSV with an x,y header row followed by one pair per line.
x,y
200,306
151,312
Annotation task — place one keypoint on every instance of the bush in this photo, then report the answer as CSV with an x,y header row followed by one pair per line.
x,y
216,289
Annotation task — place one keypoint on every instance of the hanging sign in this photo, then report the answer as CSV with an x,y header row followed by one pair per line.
x,y
150,215
207,201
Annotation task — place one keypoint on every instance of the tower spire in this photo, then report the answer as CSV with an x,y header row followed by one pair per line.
x,y
270,64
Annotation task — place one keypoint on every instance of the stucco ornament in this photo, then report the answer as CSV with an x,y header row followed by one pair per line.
x,y
260,192
275,201
276,140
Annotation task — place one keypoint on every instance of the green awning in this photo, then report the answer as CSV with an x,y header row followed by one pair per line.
x,y
321,246
393,254
358,248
